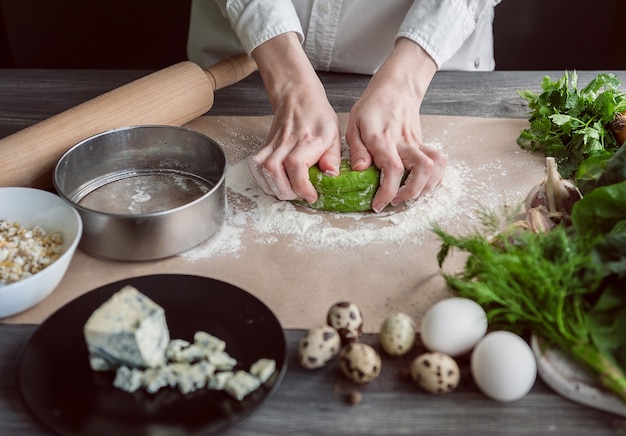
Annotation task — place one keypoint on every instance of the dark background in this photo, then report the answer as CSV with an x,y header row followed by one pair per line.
x,y
143,34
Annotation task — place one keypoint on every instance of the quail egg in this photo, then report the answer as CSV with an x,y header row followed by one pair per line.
x,y
347,319
360,362
397,334
435,372
318,346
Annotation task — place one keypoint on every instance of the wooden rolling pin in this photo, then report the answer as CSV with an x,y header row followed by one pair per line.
x,y
171,96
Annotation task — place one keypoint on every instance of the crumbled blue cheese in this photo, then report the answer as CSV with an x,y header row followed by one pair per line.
x,y
208,341
192,353
219,379
128,379
222,361
174,348
241,384
157,378
187,372
195,377
97,363
128,334
263,369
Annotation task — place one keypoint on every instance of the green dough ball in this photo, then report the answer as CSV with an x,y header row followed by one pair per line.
x,y
350,191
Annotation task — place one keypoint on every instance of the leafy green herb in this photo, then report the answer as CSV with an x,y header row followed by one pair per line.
x,y
572,124
607,322
601,210
614,169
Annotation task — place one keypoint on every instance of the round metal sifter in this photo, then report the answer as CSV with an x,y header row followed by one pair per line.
x,y
144,192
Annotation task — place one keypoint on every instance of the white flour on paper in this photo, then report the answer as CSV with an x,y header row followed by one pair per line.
x,y
265,220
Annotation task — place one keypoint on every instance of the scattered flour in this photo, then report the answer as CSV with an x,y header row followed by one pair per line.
x,y
257,217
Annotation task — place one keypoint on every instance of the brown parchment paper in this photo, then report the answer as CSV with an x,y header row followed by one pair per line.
x,y
299,282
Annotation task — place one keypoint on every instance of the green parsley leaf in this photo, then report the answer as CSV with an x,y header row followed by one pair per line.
x,y
572,124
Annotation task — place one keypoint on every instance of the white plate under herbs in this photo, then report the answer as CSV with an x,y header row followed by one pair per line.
x,y
572,381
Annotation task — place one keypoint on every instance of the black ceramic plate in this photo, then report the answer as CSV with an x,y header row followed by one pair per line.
x,y
65,395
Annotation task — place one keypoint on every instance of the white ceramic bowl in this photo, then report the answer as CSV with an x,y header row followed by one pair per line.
x,y
30,207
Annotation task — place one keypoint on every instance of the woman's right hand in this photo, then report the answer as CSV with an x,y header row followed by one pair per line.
x,y
305,129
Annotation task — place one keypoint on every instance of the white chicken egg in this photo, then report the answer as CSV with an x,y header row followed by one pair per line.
x,y
503,366
453,326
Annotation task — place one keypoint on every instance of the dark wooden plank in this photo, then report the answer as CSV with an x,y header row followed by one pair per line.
x,y
313,402
29,96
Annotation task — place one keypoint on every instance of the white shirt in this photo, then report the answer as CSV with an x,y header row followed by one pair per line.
x,y
352,36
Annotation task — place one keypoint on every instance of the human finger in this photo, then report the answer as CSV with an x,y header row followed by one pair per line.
x,y
297,165
275,175
255,165
426,171
331,159
360,157
267,170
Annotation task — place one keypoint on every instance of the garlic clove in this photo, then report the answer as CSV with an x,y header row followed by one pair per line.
x,y
539,220
536,197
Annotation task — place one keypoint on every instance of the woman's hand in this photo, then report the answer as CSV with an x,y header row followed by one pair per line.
x,y
384,127
305,128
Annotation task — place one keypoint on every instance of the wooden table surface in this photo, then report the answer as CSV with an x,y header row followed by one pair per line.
x,y
313,402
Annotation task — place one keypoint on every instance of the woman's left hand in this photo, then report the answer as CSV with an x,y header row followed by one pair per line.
x,y
384,128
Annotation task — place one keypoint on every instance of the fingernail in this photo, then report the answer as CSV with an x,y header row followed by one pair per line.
x,y
378,208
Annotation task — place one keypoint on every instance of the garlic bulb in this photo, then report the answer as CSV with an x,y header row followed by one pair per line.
x,y
554,193
547,204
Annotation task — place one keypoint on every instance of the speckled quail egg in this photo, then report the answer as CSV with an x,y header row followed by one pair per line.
x,y
347,319
503,366
397,334
318,346
435,372
360,362
453,326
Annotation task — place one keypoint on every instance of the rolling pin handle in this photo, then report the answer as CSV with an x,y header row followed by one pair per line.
x,y
230,70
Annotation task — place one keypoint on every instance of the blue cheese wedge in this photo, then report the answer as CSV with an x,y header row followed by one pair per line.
x,y
129,329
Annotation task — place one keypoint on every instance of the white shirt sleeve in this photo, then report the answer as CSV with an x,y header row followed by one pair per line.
x,y
256,21
441,27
